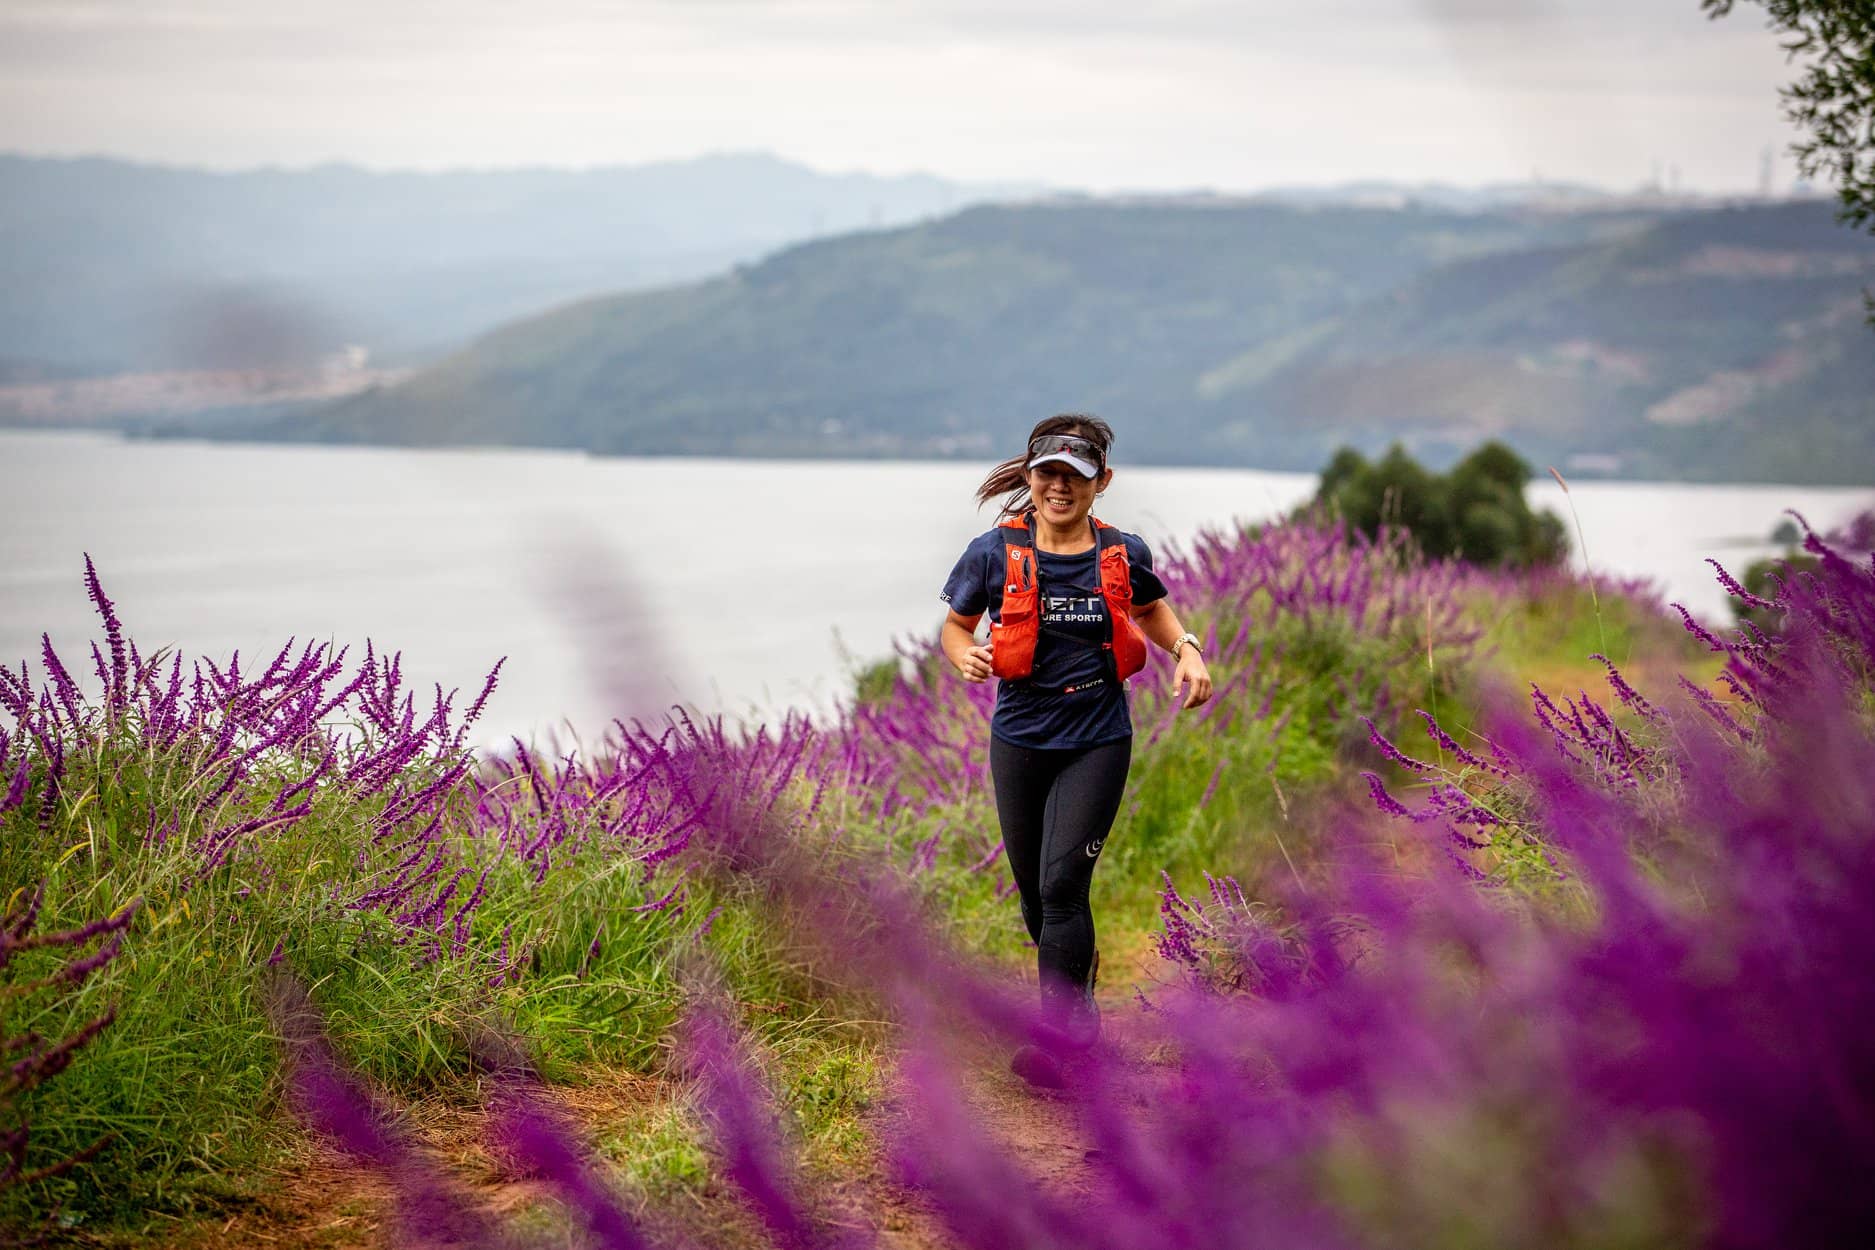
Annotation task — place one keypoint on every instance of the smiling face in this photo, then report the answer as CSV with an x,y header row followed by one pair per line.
x,y
1062,496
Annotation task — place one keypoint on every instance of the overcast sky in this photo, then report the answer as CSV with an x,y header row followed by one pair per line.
x,y
1101,94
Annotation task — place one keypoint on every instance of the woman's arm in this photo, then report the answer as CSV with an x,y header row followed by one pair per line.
x,y
1161,625
959,641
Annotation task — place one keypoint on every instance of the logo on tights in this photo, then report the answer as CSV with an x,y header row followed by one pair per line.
x,y
1093,848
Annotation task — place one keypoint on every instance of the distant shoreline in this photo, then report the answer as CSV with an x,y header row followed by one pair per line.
x,y
203,439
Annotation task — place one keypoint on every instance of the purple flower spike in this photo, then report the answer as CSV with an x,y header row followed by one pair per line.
x,y
16,789
1392,752
115,692
747,1134
540,1143
334,1104
1737,591
1629,696
1697,630
1449,744
1382,800
1210,788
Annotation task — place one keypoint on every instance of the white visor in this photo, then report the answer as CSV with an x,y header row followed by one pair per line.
x,y
1075,462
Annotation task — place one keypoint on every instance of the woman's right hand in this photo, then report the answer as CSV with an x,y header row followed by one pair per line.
x,y
959,641
975,666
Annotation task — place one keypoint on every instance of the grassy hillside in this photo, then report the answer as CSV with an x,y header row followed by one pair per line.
x,y
315,815
1716,345
930,339
1449,969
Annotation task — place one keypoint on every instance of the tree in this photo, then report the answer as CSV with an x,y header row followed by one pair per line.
x,y
1834,99
1476,512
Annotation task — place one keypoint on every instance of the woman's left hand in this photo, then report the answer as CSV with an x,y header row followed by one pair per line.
x,y
1192,672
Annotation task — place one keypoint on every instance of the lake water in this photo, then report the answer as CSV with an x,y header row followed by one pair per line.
x,y
609,584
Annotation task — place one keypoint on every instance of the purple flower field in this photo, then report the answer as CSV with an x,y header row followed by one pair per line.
x,y
1535,968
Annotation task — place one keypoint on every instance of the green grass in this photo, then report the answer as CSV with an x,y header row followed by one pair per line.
x,y
188,1078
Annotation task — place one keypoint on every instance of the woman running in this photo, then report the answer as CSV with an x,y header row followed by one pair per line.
x,y
1072,603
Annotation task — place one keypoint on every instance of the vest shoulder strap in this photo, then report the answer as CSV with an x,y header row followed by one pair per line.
x,y
1108,535
1022,531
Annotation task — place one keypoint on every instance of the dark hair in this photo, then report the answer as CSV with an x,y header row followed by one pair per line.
x,y
1011,477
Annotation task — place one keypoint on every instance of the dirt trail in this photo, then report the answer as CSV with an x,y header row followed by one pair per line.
x,y
1036,1128
323,1200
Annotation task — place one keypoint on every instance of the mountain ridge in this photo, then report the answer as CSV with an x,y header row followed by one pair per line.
x,y
1237,333
111,266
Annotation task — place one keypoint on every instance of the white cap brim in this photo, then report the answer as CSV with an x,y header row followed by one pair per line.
x,y
1074,462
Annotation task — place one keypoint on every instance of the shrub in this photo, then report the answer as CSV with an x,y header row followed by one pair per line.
x,y
1475,512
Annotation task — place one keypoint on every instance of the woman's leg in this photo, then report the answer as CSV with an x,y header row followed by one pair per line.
x,y
1082,804
1023,779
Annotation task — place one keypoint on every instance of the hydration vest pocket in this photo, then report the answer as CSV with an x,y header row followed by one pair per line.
x,y
1116,584
1012,644
1013,638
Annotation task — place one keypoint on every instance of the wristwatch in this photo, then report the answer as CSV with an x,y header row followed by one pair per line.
x,y
1185,640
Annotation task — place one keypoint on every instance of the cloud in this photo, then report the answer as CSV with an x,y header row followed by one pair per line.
x,y
1096,92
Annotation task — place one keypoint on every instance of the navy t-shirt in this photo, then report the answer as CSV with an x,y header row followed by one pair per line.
x,y
1070,605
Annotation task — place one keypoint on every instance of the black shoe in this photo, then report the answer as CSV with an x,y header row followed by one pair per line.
x,y
1084,1018
1082,1027
1037,1067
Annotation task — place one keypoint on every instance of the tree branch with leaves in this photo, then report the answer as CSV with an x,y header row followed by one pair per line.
x,y
1833,101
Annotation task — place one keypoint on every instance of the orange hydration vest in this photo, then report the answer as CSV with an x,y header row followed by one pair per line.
x,y
1013,639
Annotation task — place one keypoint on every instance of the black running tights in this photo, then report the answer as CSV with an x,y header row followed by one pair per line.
x,y
1055,808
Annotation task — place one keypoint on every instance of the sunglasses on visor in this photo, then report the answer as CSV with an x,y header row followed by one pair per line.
x,y
1071,444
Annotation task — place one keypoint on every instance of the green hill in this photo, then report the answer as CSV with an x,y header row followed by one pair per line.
x,y
1211,331
1725,344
